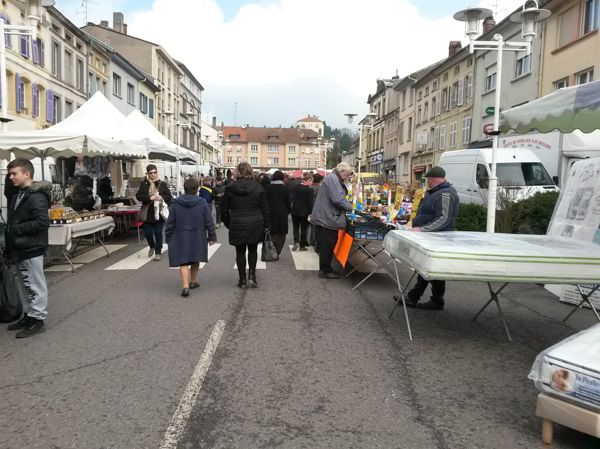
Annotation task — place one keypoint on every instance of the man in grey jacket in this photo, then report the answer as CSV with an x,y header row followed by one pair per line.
x,y
329,216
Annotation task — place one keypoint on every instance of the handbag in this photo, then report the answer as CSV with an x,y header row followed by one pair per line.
x,y
13,292
164,210
144,212
269,252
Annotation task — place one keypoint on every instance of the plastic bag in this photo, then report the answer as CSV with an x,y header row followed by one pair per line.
x,y
13,293
269,252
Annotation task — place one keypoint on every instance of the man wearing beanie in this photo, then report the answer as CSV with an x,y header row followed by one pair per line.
x,y
437,212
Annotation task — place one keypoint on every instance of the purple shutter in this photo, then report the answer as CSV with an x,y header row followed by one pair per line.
x,y
23,45
36,58
49,106
34,100
41,49
18,90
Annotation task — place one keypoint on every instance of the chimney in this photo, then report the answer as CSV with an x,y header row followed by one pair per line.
x,y
124,28
453,48
118,22
214,122
488,24
104,23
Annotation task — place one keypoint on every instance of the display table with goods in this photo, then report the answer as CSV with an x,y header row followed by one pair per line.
x,y
68,230
125,217
568,375
501,258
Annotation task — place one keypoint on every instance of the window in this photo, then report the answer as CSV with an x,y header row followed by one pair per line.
x,y
568,26
433,106
461,92
24,45
307,162
35,100
20,93
150,108
444,101
130,94
436,138
585,77
239,149
254,148
234,137
590,15
523,66
238,159
445,77
419,95
254,160
56,110
68,67
292,149
68,108
426,112
56,62
403,99
117,85
452,134
401,132
434,86
426,91
143,103
466,130
454,95
7,39
230,159
273,148
469,91
442,137
291,161
409,130
481,176
490,79
275,160
419,115
561,83
79,82
272,137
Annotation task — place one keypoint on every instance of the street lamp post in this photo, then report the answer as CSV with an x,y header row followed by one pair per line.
x,y
528,17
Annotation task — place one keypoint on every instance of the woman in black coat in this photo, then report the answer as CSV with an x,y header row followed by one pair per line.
x,y
153,189
278,196
301,209
190,229
245,212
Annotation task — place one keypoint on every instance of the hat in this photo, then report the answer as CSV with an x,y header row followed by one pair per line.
x,y
436,172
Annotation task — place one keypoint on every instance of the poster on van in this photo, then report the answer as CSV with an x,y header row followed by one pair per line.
x,y
577,215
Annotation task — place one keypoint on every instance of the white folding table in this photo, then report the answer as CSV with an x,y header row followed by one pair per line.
x,y
501,258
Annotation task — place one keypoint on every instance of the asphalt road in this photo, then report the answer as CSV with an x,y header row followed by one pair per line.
x,y
302,363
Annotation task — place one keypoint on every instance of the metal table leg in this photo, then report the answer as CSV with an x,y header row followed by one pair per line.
x,y
584,299
401,290
494,298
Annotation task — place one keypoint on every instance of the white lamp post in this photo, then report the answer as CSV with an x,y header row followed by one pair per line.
x,y
528,16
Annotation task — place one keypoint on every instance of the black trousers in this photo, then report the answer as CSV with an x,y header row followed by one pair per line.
x,y
300,225
438,288
218,213
326,241
154,235
278,241
240,257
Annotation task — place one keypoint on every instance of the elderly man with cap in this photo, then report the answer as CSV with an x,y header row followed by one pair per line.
x,y
437,212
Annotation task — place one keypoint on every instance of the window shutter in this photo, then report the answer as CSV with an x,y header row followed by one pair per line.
x,y
34,100
36,58
18,91
461,91
41,50
49,106
24,45
151,108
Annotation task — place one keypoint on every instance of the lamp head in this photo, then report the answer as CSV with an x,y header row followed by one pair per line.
x,y
528,17
472,17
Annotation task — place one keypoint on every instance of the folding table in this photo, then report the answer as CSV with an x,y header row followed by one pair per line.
x,y
501,258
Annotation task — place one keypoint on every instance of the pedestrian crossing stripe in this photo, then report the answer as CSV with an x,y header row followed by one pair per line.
x,y
85,258
135,261
305,260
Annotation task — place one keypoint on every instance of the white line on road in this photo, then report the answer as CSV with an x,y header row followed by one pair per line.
x,y
305,260
96,254
212,249
182,414
135,261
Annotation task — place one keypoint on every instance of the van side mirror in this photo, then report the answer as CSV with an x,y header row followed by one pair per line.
x,y
555,180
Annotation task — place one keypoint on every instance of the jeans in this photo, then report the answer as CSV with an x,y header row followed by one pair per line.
x,y
218,213
240,257
32,271
154,235
438,288
326,241
300,225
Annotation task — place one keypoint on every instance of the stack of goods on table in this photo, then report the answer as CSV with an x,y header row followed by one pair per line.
x,y
66,215
364,226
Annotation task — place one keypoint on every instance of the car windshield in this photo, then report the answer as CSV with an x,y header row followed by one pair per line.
x,y
523,174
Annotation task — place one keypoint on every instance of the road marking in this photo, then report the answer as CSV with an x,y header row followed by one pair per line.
x,y
184,409
260,264
135,261
212,249
63,268
305,260
96,254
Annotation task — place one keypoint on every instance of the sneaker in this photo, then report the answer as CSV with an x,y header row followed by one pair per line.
x,y
296,247
21,324
432,305
329,275
157,257
151,252
34,326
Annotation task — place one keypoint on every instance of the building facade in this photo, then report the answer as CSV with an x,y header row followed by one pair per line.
x,y
190,115
312,122
378,107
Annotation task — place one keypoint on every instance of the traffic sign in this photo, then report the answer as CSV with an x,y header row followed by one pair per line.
x,y
490,110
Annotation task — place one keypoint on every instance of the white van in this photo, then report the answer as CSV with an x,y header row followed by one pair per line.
x,y
520,174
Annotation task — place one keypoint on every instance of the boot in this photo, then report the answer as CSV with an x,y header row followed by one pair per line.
x,y
252,279
242,282
433,304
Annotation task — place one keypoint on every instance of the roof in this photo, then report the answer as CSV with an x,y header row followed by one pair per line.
x,y
310,118
261,135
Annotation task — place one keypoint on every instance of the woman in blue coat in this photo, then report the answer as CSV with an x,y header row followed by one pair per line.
x,y
190,229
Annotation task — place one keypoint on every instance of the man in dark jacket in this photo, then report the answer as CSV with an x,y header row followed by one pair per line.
x,y
437,212
218,192
26,242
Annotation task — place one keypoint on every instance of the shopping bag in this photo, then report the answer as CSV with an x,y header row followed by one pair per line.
x,y
269,252
164,210
13,292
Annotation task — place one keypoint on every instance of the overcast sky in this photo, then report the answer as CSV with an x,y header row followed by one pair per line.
x,y
280,60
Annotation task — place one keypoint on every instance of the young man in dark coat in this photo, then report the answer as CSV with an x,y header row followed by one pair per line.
x,y
189,231
301,208
437,212
245,213
151,191
26,242
278,196
218,191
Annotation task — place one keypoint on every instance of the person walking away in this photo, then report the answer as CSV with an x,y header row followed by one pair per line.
x,y
189,231
26,241
150,193
245,212
301,208
218,192
328,215
278,197
437,212
206,191
314,189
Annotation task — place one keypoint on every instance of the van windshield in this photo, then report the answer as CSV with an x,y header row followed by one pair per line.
x,y
523,174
